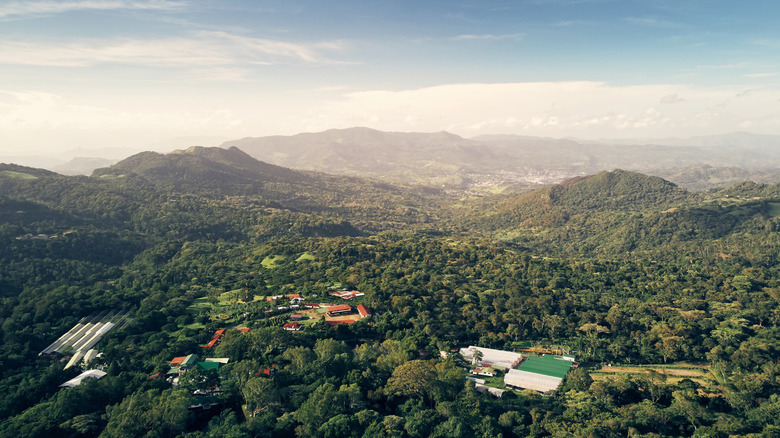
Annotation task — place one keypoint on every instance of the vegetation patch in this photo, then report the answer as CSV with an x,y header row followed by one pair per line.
x,y
271,262
305,256
17,175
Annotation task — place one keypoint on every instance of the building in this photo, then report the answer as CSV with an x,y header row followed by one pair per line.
x,y
76,381
342,309
296,317
363,311
487,371
543,374
346,295
506,359
292,326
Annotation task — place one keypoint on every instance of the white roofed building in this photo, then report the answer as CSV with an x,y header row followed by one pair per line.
x,y
506,359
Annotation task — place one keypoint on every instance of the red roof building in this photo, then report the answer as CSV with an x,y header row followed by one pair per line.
x,y
296,317
176,361
294,326
363,311
220,333
291,296
339,310
346,295
335,323
244,329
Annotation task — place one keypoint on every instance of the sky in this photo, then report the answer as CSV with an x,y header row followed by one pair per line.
x,y
145,74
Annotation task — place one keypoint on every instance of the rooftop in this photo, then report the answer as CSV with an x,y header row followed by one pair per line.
x,y
546,365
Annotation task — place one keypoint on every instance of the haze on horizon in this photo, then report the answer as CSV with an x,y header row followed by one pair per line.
x,y
136,73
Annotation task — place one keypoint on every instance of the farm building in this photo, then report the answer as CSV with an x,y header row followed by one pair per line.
x,y
363,311
342,309
346,295
209,365
76,381
541,374
487,371
506,359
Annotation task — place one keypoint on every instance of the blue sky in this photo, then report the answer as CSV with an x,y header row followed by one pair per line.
x,y
138,73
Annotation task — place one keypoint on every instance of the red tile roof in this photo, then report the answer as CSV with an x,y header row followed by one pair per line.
x,y
177,360
219,332
363,310
346,321
292,326
291,296
340,308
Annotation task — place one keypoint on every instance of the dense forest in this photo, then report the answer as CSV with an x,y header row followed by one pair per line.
x,y
667,298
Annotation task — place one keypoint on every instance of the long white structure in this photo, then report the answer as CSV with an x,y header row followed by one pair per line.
x,y
83,336
76,381
506,359
526,380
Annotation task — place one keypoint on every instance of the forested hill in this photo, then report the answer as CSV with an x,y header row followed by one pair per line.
x,y
232,176
619,213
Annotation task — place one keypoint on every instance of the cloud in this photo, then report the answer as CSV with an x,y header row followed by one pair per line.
x,y
723,66
585,109
581,109
652,22
760,75
202,49
490,37
671,98
27,8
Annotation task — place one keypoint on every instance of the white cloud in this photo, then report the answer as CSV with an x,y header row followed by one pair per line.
x,y
490,37
554,109
586,109
202,49
26,8
760,75
672,98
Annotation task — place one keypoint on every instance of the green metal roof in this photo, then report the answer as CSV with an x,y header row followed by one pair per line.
x,y
209,365
190,361
546,365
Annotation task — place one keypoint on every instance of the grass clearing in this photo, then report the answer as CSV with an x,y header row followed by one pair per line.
x,y
17,175
674,373
271,262
305,256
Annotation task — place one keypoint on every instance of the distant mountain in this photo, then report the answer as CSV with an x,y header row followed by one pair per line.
x,y
232,174
82,166
707,177
509,160
411,157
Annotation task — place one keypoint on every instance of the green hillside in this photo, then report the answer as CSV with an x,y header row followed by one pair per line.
x,y
618,268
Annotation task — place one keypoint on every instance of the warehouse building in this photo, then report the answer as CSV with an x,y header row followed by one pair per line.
x,y
543,374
